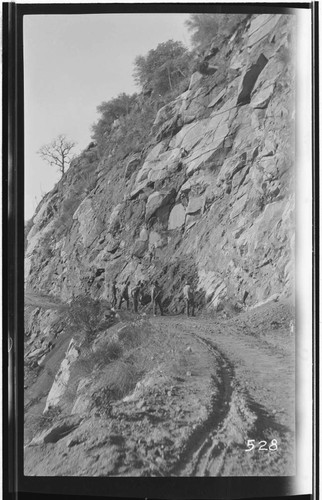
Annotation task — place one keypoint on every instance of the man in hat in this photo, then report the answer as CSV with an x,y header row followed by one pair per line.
x,y
189,299
114,291
125,296
156,294
135,293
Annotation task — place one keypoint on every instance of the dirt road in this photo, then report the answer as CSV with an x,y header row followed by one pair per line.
x,y
216,399
256,400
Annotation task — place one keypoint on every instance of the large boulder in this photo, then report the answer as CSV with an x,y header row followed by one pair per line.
x,y
144,234
110,244
169,128
132,165
239,206
191,220
190,135
156,151
194,106
195,79
156,240
140,188
57,431
115,213
230,168
157,200
195,204
151,158
62,377
89,225
197,183
262,98
239,60
139,248
154,202
217,98
157,167
167,119
163,166
166,113
177,217
158,175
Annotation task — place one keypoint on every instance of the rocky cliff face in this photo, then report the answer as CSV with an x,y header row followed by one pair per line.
x,y
210,197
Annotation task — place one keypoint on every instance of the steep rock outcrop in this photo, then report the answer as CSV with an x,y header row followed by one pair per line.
x,y
215,183
61,379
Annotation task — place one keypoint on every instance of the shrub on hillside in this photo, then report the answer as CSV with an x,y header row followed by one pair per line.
x,y
44,421
86,317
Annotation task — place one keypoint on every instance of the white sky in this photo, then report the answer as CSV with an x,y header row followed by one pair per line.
x,y
71,64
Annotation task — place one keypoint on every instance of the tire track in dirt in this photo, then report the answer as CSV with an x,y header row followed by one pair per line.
x,y
205,453
199,444
234,418
241,417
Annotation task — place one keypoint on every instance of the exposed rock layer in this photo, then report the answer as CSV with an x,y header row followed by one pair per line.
x,y
215,189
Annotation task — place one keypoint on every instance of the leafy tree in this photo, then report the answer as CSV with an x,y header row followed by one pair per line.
x,y
203,28
206,27
111,111
116,107
162,68
58,152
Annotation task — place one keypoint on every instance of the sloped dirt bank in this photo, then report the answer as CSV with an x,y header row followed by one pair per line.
x,y
212,385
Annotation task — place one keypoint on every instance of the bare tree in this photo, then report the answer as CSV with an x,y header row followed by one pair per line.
x,y
58,152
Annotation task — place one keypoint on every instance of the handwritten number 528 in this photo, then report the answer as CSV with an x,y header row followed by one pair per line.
x,y
251,445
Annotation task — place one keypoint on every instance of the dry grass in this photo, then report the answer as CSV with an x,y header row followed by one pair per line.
x,y
180,364
132,335
114,367
119,379
107,353
40,422
88,364
118,364
122,377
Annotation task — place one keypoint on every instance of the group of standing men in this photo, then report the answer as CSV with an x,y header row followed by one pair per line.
x,y
137,294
